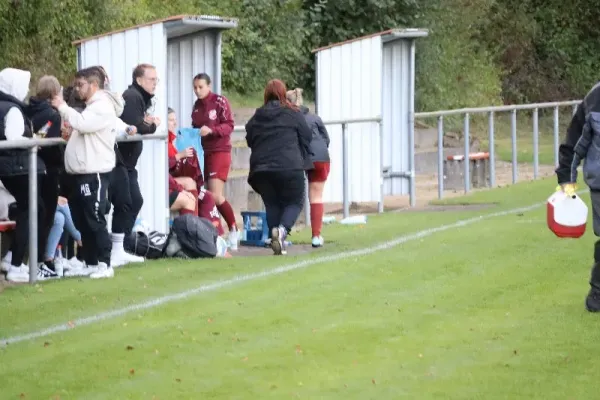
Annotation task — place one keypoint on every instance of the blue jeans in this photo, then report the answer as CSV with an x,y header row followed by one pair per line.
x,y
62,220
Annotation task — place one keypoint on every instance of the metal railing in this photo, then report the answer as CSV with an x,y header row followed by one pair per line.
x,y
345,163
33,145
491,111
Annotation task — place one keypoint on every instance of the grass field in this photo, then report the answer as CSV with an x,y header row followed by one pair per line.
x,y
491,310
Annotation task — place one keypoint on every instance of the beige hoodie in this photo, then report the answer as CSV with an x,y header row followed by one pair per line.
x,y
91,147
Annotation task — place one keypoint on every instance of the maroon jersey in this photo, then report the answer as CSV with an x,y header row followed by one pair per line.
x,y
214,112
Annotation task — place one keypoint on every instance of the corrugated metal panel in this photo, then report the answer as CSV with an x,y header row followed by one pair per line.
x,y
188,56
349,86
119,53
396,103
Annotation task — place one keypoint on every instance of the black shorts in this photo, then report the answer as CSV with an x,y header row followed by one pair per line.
x,y
173,196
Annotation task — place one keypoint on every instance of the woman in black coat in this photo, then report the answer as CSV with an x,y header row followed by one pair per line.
x,y
279,140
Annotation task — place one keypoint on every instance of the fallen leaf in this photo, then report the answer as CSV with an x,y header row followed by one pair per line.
x,y
345,385
145,286
129,348
216,333
71,324
155,351
209,320
22,395
46,344
515,352
131,371
245,359
298,349
373,381
314,330
177,380
57,397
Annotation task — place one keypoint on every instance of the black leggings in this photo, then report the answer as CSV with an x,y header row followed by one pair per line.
x,y
126,198
18,186
283,195
49,184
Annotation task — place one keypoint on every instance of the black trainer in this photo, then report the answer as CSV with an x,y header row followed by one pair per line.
x,y
45,273
592,302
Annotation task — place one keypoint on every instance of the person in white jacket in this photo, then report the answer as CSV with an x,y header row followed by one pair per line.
x,y
89,159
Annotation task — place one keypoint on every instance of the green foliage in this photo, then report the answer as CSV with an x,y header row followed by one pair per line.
x,y
452,70
478,51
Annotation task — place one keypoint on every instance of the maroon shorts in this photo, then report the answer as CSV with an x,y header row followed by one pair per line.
x,y
216,165
207,208
319,173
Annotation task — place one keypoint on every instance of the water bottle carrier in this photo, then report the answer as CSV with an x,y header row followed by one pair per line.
x,y
566,215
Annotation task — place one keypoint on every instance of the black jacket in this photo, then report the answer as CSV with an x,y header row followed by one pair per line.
x,y
566,171
319,144
137,102
40,112
279,139
14,162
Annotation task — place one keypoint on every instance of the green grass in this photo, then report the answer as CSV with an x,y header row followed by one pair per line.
x,y
492,310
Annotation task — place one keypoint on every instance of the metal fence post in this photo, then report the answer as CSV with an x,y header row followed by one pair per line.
x,y
492,149
381,205
345,163
440,127
33,214
536,155
513,135
306,202
574,108
556,134
467,161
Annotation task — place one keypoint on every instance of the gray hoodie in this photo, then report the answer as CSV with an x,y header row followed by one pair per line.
x,y
319,144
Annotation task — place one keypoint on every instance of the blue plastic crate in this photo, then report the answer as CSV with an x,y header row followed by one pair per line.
x,y
255,230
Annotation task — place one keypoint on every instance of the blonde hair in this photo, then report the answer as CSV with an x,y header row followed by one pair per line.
x,y
48,87
295,96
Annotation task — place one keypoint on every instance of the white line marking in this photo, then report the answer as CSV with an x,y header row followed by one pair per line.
x,y
250,277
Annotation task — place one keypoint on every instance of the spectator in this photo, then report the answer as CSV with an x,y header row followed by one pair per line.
x,y
212,115
279,140
89,159
14,167
126,196
190,179
41,113
317,177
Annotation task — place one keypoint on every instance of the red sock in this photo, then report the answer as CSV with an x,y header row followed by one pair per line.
x,y
195,193
316,218
185,211
228,214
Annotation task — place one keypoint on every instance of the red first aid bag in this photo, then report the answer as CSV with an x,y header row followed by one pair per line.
x,y
566,215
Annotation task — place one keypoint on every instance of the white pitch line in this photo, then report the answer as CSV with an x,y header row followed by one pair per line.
x,y
250,277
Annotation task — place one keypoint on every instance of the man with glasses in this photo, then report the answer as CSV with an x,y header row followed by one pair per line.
x,y
125,195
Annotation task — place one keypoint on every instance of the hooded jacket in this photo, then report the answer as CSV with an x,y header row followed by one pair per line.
x,y
14,123
279,139
41,112
91,147
319,144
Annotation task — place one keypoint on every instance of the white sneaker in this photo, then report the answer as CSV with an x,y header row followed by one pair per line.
x,y
221,247
84,270
18,274
5,264
121,257
103,271
73,263
234,239
318,241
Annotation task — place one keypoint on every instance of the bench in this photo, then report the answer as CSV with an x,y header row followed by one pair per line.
x,y
478,171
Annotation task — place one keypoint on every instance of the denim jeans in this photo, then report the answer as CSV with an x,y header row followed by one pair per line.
x,y
62,220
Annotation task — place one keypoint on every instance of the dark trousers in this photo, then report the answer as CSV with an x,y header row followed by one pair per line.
x,y
126,198
88,201
18,186
283,195
49,194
